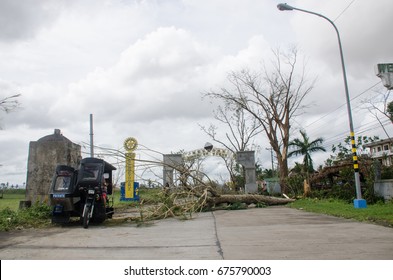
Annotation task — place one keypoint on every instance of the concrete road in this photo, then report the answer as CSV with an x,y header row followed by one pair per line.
x,y
273,233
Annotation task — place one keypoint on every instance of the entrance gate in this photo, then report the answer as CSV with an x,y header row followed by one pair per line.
x,y
173,162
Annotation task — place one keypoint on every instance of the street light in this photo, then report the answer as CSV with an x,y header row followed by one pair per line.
x,y
358,202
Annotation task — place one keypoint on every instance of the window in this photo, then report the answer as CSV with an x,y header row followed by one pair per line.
x,y
91,172
379,148
386,147
62,183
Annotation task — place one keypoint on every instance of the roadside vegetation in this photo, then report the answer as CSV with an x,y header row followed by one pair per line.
x,y
12,218
379,213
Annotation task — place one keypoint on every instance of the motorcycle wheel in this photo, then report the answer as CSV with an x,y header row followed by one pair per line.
x,y
86,216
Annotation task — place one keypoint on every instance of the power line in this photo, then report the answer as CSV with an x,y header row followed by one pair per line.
x,y
346,8
342,105
337,116
360,129
371,126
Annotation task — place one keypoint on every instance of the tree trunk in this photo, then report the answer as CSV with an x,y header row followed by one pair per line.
x,y
248,199
283,165
306,186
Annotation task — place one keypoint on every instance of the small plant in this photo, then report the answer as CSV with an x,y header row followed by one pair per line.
x,y
260,205
237,206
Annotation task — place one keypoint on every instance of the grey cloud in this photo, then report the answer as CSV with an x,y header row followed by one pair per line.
x,y
23,19
364,30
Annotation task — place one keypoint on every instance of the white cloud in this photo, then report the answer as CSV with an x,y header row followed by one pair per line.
x,y
157,77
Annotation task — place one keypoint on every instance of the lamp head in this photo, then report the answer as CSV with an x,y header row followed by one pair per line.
x,y
284,7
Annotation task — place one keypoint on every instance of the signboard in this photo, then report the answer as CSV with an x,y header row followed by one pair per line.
x,y
130,144
385,72
130,175
384,68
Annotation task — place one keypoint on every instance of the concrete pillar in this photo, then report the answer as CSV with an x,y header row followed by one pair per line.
x,y
247,160
171,162
44,155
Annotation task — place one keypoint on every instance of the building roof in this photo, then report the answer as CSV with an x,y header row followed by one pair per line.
x,y
379,142
56,136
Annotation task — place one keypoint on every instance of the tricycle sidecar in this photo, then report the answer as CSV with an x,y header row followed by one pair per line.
x,y
83,192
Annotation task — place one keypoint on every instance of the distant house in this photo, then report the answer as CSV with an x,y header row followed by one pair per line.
x,y
382,150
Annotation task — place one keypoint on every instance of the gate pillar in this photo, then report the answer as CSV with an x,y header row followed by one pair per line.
x,y
247,160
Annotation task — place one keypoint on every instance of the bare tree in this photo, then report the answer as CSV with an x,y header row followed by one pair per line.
x,y
273,98
241,129
381,104
9,103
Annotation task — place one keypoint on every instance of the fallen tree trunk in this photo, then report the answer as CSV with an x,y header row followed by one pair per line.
x,y
248,199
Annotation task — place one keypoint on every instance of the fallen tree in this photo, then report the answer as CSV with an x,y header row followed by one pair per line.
x,y
192,191
184,202
210,196
247,199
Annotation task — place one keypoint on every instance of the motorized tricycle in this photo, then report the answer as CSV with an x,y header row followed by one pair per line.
x,y
82,192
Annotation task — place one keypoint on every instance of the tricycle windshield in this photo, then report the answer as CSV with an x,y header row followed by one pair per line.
x,y
91,172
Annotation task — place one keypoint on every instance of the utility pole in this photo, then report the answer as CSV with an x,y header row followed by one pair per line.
x,y
91,136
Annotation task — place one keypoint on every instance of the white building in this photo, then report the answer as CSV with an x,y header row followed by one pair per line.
x,y
382,150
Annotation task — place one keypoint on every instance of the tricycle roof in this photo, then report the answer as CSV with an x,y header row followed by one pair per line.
x,y
107,166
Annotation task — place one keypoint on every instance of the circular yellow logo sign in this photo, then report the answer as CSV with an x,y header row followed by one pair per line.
x,y
130,144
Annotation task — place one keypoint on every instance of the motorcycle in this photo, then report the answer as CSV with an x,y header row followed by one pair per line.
x,y
88,208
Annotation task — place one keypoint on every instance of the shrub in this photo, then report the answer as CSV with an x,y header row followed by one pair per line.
x,y
35,216
386,172
295,184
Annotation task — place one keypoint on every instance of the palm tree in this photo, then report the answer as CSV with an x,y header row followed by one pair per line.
x,y
305,147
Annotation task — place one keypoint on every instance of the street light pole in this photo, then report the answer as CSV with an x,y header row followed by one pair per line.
x,y
358,202
271,157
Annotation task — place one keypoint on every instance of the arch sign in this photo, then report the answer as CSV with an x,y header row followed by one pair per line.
x,y
218,152
245,158
175,161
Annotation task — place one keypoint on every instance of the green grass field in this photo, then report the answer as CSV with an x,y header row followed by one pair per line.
x,y
10,199
380,213
148,196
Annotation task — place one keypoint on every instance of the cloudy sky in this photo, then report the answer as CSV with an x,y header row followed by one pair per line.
x,y
141,66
